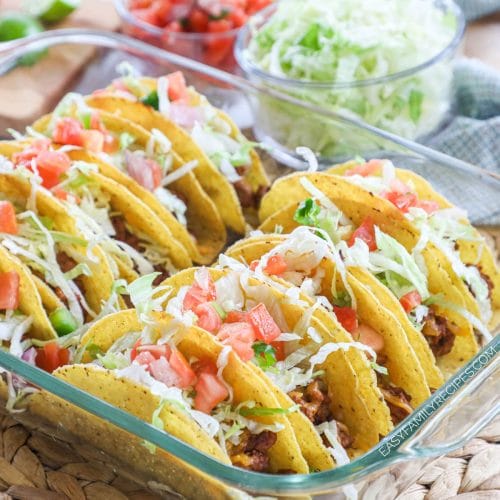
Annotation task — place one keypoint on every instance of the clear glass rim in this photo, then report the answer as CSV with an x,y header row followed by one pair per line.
x,y
250,68
11,51
121,8
384,454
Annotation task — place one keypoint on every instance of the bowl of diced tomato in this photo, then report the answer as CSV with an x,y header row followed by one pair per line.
x,y
204,30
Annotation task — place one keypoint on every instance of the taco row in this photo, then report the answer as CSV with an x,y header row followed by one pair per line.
x,y
305,343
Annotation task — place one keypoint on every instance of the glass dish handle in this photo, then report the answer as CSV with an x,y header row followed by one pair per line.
x,y
471,409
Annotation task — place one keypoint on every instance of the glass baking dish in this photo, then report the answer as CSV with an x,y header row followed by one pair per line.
x,y
454,413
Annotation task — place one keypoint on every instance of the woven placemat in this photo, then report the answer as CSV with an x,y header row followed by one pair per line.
x,y
470,473
34,466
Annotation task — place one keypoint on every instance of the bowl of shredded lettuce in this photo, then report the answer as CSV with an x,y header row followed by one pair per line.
x,y
388,63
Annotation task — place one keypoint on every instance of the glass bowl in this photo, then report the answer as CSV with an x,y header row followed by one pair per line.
x,y
412,103
214,49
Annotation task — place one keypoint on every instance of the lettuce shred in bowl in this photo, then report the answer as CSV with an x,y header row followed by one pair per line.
x,y
386,62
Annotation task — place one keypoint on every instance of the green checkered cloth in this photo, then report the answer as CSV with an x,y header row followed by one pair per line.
x,y
473,135
474,9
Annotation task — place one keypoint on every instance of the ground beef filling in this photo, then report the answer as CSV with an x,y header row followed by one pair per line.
x,y
396,399
123,234
66,263
314,403
252,452
437,334
247,196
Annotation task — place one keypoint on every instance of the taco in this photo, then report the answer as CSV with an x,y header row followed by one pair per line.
x,y
19,299
372,235
146,165
229,169
281,338
307,261
36,228
26,331
104,211
196,390
475,271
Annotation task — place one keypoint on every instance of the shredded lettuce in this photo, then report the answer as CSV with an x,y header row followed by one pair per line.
x,y
157,422
391,263
444,228
113,360
350,41
145,298
259,411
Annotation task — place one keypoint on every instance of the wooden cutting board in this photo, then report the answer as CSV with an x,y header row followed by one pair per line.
x,y
27,93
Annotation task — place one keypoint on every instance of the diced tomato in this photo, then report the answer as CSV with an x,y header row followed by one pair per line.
x,y
366,232
198,21
366,169
9,290
238,17
148,15
93,140
402,201
96,122
51,356
264,325
208,318
143,170
369,337
253,265
24,157
197,14
253,6
60,194
219,26
210,391
139,4
111,144
68,131
347,317
429,206
8,222
204,366
174,27
217,50
144,358
157,351
162,10
51,165
240,336
163,371
276,265
177,88
199,293
410,300
236,317
178,362
134,352
279,348
399,186
63,195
